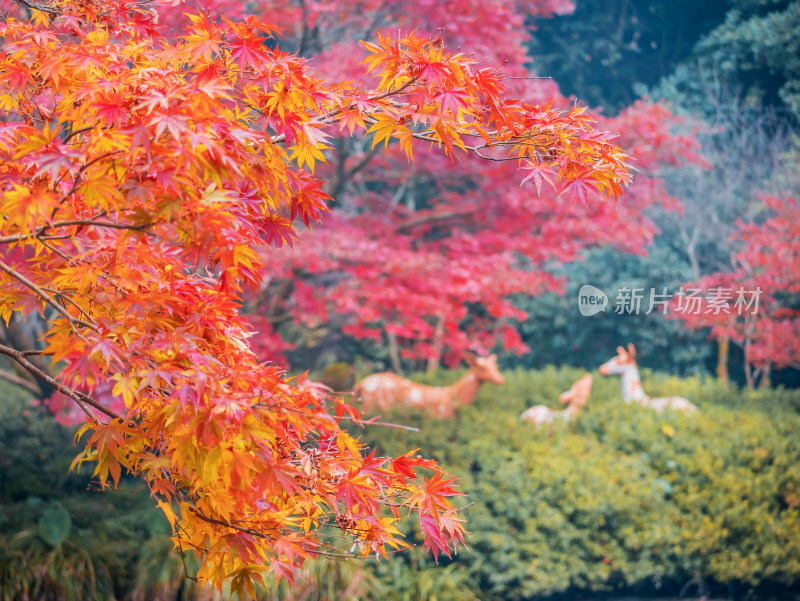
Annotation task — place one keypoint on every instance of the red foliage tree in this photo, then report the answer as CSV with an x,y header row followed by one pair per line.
x,y
142,180
756,301
425,255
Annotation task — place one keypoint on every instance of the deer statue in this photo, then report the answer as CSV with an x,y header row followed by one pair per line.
x,y
624,365
386,390
576,398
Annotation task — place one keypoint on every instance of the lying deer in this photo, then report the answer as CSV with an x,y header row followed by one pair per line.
x,y
624,365
576,398
386,390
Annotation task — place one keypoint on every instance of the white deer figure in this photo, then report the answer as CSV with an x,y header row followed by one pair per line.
x,y
576,397
624,365
386,390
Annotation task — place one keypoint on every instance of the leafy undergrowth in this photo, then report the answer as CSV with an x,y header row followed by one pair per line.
x,y
621,498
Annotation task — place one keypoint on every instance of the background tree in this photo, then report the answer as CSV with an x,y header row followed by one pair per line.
x,y
754,49
765,263
572,339
605,52
706,64
422,258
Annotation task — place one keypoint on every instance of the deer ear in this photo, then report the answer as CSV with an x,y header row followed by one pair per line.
x,y
632,350
492,358
620,350
469,358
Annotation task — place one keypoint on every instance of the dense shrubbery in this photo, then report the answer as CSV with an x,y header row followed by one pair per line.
x,y
623,496
620,498
58,541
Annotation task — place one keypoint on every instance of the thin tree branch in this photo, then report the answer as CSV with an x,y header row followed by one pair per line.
x,y
83,400
80,222
46,297
433,216
22,382
39,7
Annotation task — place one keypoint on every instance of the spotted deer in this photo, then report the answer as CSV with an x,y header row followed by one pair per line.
x,y
624,366
576,398
385,390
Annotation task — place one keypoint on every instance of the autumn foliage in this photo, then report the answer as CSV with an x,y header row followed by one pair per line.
x,y
425,256
142,180
753,303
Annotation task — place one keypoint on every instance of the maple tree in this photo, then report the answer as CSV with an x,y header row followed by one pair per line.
x,y
425,256
754,303
142,179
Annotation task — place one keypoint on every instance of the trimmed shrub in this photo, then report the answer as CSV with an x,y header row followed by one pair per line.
x,y
622,497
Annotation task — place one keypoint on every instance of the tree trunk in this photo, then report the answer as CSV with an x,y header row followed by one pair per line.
x,y
438,345
394,352
765,375
748,338
723,351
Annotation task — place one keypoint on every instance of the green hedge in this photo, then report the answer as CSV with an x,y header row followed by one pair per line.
x,y
622,497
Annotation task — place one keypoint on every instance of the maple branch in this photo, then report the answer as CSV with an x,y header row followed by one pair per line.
x,y
65,297
46,297
330,117
38,7
211,520
29,353
76,132
183,561
79,222
371,422
476,148
432,217
83,400
54,250
109,224
77,180
389,93
488,158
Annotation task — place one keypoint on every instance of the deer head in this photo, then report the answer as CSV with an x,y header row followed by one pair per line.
x,y
484,368
618,365
578,395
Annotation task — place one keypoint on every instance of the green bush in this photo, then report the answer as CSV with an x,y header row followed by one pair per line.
x,y
59,541
35,452
622,497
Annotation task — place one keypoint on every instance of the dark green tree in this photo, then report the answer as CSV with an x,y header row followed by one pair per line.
x,y
604,49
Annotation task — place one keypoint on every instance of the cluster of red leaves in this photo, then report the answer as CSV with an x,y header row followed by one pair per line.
x,y
768,260
140,181
503,237
417,244
330,29
479,237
